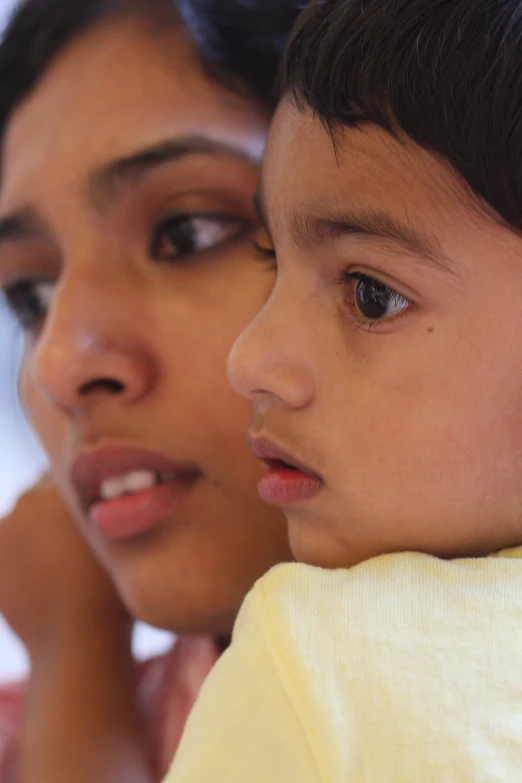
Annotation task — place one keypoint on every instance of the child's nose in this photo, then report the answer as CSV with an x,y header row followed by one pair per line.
x,y
268,362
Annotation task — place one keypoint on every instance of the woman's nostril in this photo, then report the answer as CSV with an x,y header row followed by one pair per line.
x,y
102,385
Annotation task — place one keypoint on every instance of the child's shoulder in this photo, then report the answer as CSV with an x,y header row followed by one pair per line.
x,y
400,567
406,590
434,641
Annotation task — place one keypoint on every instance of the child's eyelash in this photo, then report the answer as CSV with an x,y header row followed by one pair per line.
x,y
362,277
370,302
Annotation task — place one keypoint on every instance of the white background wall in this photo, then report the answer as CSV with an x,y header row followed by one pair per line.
x,y
19,459
5,7
21,462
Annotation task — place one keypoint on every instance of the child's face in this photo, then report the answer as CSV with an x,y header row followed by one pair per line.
x,y
388,359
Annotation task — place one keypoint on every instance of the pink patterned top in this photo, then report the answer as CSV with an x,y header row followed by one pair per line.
x,y
167,689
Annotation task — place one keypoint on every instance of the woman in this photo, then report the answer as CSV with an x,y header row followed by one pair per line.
x,y
129,162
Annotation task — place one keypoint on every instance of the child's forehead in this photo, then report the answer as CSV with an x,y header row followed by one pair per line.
x,y
320,189
311,169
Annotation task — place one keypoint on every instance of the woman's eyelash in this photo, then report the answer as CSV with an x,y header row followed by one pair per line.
x,y
28,300
179,237
267,252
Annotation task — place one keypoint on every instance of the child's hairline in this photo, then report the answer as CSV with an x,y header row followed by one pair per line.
x,y
295,96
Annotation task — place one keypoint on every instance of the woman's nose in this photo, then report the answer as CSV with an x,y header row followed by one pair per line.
x,y
92,348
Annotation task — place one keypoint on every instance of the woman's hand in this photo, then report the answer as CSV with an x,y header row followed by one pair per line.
x,y
81,718
50,582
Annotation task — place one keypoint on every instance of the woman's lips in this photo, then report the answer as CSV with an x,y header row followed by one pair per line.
x,y
287,480
133,515
100,478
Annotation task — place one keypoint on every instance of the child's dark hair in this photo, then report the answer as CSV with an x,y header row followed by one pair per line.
x,y
239,42
446,73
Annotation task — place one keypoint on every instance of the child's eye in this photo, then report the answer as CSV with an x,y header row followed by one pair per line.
x,y
187,235
29,301
372,300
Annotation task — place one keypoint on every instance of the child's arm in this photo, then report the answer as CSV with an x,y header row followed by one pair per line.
x,y
81,720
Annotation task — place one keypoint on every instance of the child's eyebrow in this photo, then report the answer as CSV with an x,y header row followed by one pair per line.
x,y
312,229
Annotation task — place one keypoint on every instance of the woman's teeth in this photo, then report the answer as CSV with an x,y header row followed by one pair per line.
x,y
131,484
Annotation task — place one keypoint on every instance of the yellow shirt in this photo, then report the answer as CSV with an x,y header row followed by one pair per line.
x,y
405,668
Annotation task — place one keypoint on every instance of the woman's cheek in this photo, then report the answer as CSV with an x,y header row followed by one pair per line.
x,y
48,423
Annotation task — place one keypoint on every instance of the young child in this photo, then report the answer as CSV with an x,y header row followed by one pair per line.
x,y
386,375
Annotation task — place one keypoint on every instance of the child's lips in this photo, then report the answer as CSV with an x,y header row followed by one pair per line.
x,y
282,486
287,480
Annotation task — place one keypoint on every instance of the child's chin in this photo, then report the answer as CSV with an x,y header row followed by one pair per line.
x,y
311,544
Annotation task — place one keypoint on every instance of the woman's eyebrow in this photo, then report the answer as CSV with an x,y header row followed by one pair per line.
x,y
105,182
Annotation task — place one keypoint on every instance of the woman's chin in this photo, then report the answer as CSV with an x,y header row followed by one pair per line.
x,y
167,599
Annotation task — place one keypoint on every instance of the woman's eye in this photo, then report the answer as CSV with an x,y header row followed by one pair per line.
x,y
264,250
188,235
29,301
264,247
374,301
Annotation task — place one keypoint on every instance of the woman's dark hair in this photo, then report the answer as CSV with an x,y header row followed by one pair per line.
x,y
243,39
239,42
446,73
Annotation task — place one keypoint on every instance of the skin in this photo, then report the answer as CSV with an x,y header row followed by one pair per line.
x,y
412,417
86,253
63,606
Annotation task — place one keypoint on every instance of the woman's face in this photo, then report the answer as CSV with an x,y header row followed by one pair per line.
x,y
125,222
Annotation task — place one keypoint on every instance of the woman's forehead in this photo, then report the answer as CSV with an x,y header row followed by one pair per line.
x,y
117,91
